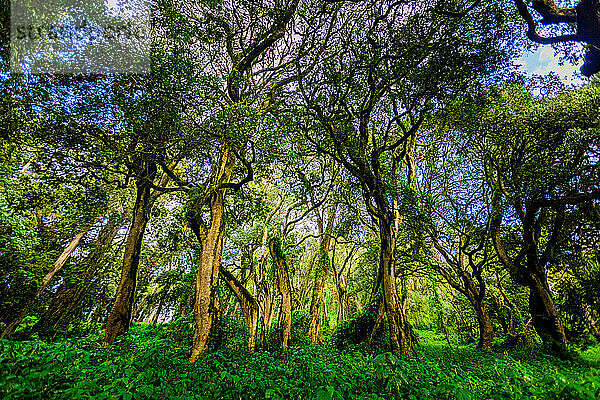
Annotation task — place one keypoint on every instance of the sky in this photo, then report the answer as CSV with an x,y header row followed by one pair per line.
x,y
542,61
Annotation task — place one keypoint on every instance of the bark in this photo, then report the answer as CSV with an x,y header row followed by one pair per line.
x,y
210,237
340,285
206,304
377,321
264,295
545,317
400,335
484,322
157,311
532,273
342,298
284,286
305,290
58,264
266,312
248,304
119,318
318,295
510,326
474,291
72,291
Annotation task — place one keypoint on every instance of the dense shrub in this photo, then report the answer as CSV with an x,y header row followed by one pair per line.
x,y
145,364
358,329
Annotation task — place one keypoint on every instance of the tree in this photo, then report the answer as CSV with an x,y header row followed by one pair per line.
x,y
76,285
247,36
540,163
284,287
585,16
387,67
452,220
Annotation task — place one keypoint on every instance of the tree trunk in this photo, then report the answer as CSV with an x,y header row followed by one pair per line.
x,y
476,293
486,328
268,313
157,311
545,318
544,314
342,298
248,304
377,320
58,264
71,292
207,277
283,281
318,295
120,314
210,237
264,296
400,336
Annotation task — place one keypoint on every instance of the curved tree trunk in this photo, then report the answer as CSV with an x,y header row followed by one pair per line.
x,y
248,304
71,293
486,328
120,314
156,313
58,264
318,295
284,286
263,294
545,317
207,277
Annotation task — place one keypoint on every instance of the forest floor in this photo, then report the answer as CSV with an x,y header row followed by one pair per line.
x,y
148,364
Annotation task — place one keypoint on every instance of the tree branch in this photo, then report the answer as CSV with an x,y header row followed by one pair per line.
x,y
532,33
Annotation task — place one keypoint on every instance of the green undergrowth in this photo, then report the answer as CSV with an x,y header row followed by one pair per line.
x,y
147,364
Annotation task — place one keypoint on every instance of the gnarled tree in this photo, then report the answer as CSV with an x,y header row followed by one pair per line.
x,y
585,16
387,66
541,164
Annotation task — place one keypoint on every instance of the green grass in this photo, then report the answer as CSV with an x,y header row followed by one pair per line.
x,y
146,364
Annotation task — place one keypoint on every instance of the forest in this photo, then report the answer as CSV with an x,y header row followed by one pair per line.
x,y
307,199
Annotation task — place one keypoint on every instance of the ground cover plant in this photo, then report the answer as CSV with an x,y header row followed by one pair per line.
x,y
147,365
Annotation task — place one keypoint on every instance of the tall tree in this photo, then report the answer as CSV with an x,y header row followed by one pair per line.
x,y
541,164
283,284
252,50
389,64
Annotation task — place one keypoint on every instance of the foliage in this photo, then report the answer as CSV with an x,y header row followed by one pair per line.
x,y
381,139
358,329
145,366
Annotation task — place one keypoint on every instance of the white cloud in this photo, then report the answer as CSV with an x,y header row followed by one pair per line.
x,y
542,61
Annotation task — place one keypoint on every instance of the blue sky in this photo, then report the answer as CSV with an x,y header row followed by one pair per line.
x,y
542,61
